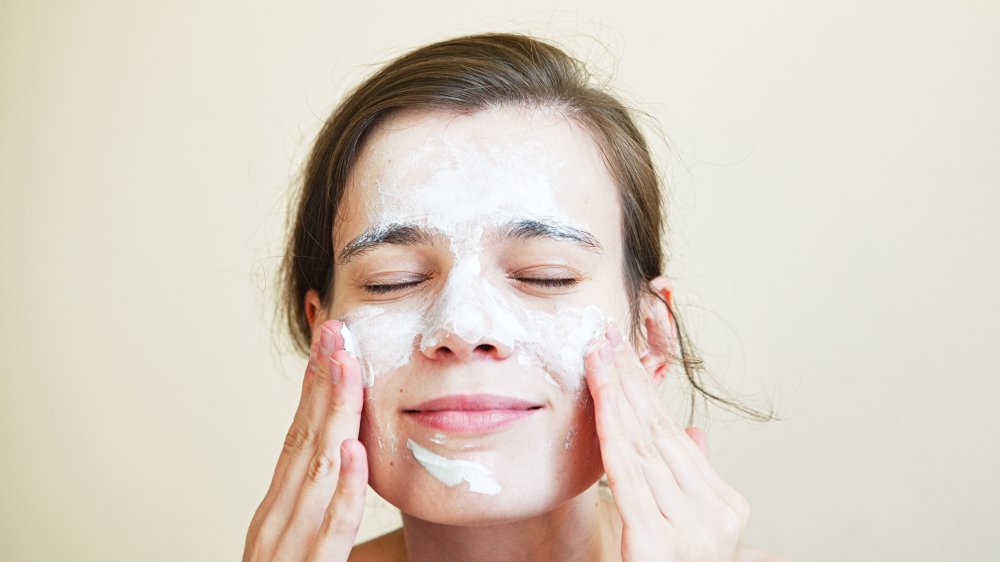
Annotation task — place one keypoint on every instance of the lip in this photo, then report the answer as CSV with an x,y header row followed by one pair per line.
x,y
472,413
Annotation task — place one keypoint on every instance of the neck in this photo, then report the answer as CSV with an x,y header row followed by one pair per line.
x,y
579,530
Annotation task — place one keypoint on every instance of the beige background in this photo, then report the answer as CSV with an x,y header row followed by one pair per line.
x,y
835,185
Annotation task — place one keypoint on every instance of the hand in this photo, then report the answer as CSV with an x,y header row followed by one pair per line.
x,y
322,459
673,505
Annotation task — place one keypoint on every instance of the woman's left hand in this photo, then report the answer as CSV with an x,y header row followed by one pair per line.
x,y
673,505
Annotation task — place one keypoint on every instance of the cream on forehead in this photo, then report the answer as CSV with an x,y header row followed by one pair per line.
x,y
460,182
448,183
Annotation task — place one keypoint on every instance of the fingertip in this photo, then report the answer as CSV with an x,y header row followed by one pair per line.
x,y
333,325
351,377
699,438
614,335
330,336
596,364
353,457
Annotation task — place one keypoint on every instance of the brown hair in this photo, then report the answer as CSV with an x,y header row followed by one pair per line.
x,y
465,75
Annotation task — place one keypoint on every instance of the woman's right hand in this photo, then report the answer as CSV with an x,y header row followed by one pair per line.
x,y
313,508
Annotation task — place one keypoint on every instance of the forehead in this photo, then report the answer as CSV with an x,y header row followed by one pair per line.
x,y
447,171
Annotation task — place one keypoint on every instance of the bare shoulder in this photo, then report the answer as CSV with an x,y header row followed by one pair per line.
x,y
386,548
751,554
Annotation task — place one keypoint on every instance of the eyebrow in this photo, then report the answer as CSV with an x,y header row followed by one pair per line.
x,y
395,234
526,229
404,234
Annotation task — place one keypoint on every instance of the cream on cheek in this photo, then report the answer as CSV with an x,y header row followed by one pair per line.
x,y
475,311
460,191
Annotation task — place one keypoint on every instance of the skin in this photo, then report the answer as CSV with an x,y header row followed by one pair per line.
x,y
666,501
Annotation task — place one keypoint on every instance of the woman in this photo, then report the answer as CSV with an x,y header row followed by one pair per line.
x,y
475,266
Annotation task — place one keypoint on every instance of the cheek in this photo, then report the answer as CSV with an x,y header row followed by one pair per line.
x,y
557,341
383,341
379,421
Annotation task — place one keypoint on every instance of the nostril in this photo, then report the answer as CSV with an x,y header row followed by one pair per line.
x,y
485,348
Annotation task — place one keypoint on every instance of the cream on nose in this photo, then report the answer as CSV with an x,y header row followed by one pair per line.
x,y
470,314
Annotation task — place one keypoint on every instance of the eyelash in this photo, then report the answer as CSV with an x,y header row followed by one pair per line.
x,y
558,282
549,281
385,288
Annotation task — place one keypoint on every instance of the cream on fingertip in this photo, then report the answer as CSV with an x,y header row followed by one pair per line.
x,y
349,345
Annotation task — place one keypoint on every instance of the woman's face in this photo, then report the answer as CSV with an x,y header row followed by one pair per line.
x,y
476,257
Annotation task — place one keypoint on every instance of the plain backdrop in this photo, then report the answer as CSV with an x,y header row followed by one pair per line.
x,y
833,177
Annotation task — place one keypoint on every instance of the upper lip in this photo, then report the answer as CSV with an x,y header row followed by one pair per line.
x,y
474,403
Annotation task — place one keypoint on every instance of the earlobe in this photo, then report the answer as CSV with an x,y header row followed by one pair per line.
x,y
315,313
660,333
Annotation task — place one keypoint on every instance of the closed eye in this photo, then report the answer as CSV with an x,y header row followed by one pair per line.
x,y
549,281
384,288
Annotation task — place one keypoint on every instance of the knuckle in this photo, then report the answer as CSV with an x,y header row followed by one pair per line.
x,y
338,524
646,450
740,505
301,437
343,405
630,474
662,426
731,523
322,466
260,539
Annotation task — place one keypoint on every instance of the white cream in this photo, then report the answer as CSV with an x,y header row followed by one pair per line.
x,y
383,342
452,472
349,344
456,186
459,190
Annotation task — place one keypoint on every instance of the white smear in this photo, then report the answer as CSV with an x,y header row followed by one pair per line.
x,y
349,344
438,438
460,188
383,342
452,472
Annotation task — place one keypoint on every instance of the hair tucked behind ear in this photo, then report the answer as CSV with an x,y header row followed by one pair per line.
x,y
465,75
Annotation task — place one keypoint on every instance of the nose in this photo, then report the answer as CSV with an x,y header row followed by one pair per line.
x,y
450,346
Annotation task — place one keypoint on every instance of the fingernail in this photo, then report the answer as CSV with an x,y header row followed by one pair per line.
x,y
336,371
327,341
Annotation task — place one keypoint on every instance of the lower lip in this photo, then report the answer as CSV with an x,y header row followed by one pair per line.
x,y
470,421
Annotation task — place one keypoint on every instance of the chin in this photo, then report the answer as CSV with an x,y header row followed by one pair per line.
x,y
526,492
435,503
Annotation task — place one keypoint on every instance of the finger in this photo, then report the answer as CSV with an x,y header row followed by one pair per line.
x,y
343,514
283,459
669,498
726,492
341,425
690,469
624,469
698,436
305,432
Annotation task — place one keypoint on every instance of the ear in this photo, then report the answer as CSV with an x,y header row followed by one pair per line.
x,y
660,337
315,312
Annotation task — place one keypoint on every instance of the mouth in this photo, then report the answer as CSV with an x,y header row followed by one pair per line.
x,y
472,413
